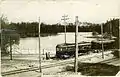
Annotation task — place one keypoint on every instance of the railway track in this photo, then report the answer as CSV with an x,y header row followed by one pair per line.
x,y
60,63
36,68
109,60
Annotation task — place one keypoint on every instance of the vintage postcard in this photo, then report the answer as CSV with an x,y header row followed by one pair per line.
x,y
59,38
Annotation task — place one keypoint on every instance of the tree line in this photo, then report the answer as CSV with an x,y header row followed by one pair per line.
x,y
30,29
112,27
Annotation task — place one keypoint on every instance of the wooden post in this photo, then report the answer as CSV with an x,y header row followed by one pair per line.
x,y
102,41
39,49
76,45
43,51
10,49
119,38
65,18
110,30
43,55
65,33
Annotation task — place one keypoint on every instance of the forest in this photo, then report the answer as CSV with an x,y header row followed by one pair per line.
x,y
30,29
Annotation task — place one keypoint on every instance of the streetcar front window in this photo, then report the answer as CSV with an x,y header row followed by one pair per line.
x,y
60,49
57,49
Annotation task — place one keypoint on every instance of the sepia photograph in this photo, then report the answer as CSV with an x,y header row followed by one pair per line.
x,y
59,38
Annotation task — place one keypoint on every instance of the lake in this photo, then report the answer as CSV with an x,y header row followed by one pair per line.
x,y
30,45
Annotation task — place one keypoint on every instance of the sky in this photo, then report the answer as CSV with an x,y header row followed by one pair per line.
x,y
51,11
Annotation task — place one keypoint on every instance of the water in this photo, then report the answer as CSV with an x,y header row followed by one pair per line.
x,y
30,45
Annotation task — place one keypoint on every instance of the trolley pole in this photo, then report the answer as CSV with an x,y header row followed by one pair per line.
x,y
102,41
39,49
65,17
76,44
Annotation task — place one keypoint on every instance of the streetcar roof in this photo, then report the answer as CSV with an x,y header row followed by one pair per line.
x,y
103,41
73,44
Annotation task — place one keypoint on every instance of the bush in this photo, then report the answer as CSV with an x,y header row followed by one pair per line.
x,y
116,53
69,68
95,69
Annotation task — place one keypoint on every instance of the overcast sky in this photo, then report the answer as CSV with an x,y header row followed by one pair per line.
x,y
51,11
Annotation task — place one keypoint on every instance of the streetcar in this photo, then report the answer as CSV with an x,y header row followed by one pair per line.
x,y
67,50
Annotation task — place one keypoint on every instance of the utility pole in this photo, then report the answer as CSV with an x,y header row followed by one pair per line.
x,y
119,38
10,48
76,44
65,17
39,49
102,41
110,30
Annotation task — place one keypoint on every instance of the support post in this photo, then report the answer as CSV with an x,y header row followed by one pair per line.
x,y
10,49
64,19
110,30
65,33
119,38
102,41
76,45
39,49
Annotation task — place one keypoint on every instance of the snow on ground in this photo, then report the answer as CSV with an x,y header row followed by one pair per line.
x,y
98,58
8,65
118,74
